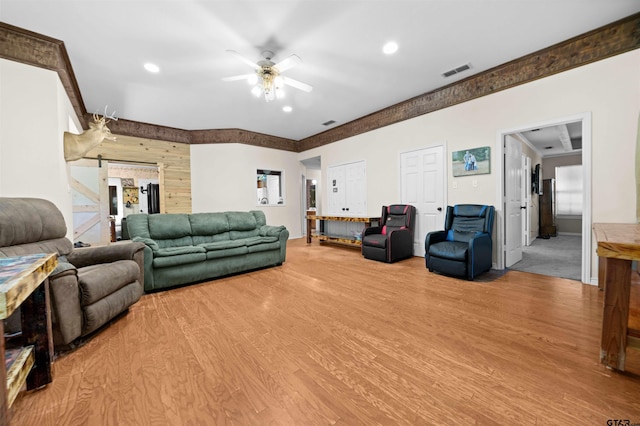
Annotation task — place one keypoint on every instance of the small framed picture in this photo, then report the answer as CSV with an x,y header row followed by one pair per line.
x,y
472,161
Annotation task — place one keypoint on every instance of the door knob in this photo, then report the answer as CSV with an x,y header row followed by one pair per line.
x,y
523,207
439,209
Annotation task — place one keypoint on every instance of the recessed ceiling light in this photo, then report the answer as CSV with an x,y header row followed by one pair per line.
x,y
151,67
287,108
390,48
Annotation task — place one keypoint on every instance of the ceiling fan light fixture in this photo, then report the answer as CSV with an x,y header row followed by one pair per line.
x,y
256,91
266,79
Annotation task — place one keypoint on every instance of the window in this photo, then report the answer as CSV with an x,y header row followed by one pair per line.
x,y
270,187
569,190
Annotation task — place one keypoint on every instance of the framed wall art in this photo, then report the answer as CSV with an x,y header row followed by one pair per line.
x,y
472,161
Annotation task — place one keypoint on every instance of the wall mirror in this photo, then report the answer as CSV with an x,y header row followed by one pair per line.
x,y
270,187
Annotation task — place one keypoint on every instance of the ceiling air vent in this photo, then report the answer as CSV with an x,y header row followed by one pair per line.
x,y
456,70
328,123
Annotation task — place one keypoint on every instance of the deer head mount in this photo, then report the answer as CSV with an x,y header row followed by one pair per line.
x,y
76,146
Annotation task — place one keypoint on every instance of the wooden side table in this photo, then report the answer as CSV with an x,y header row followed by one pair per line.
x,y
340,239
618,245
24,283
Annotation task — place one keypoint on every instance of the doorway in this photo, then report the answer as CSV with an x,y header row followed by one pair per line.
x,y
137,188
529,140
310,183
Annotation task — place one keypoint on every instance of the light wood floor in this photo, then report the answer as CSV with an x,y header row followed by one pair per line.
x,y
332,338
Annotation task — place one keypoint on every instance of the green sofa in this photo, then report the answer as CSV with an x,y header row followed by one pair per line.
x,y
187,248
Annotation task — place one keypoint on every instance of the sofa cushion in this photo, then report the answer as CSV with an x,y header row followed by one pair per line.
x,y
30,220
271,231
178,259
229,252
222,245
208,223
153,245
204,239
98,313
241,221
62,246
239,235
261,219
169,226
264,247
98,281
173,251
252,241
176,242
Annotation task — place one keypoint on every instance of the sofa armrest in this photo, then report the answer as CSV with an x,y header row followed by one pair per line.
x,y
87,256
271,231
277,231
66,313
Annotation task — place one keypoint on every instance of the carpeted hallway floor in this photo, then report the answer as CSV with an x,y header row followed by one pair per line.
x,y
558,256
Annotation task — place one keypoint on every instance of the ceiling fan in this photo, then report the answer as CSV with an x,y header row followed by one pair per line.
x,y
267,78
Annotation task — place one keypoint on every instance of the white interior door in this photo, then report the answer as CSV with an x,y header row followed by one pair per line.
x,y
337,190
422,185
513,200
356,176
347,189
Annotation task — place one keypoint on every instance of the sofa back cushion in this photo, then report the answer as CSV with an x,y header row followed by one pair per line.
x,y
242,225
138,225
169,226
261,219
62,246
32,225
209,227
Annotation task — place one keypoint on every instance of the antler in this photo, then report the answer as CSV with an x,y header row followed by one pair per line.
x,y
112,116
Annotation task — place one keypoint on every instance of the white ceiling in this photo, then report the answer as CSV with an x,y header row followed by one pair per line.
x,y
339,42
556,140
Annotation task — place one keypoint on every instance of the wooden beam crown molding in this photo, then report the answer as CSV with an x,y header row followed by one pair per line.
x,y
622,36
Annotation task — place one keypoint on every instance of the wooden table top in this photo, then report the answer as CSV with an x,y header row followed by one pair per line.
x,y
343,218
19,276
618,240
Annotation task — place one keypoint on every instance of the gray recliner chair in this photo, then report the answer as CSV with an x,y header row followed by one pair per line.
x,y
90,286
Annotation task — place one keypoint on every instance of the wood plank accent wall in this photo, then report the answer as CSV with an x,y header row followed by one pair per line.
x,y
173,160
613,39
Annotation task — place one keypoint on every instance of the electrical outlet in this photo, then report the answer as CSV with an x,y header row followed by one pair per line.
x,y
455,184
474,183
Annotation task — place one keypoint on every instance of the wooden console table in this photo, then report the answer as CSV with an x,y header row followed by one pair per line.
x,y
24,283
618,245
340,239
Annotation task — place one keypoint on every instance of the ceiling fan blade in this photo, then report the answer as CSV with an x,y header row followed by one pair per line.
x,y
297,84
238,77
288,62
243,59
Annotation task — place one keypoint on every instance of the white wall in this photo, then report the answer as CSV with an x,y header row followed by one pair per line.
x,y
223,175
223,178
34,113
609,89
